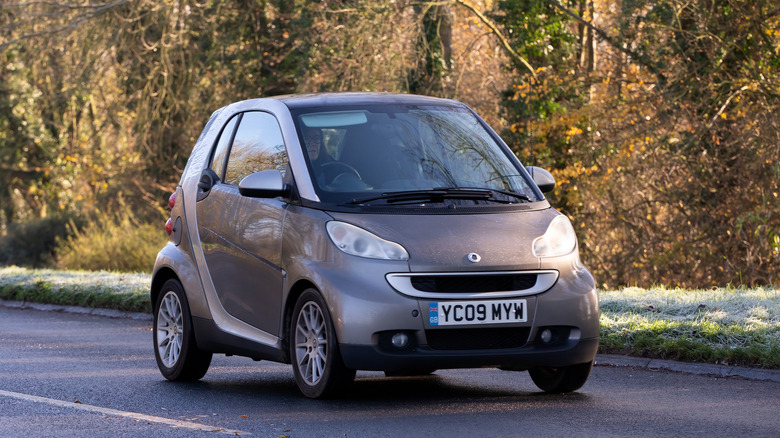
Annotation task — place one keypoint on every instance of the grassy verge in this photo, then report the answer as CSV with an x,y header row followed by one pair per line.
x,y
727,326
110,290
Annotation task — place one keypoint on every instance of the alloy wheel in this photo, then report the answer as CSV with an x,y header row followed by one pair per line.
x,y
311,343
170,329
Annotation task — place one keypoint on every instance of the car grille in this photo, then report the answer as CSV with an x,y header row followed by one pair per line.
x,y
477,339
473,283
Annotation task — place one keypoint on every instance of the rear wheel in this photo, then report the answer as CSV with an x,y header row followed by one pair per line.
x,y
177,354
557,380
314,350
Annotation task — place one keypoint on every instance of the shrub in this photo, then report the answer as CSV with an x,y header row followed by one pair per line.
x,y
34,243
113,242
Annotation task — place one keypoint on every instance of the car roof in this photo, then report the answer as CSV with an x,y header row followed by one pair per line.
x,y
357,98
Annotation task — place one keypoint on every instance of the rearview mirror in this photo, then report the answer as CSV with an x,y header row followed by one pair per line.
x,y
542,178
263,184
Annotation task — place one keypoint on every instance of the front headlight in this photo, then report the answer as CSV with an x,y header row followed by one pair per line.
x,y
558,240
359,242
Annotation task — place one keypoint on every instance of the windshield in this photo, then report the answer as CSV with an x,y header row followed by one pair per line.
x,y
375,153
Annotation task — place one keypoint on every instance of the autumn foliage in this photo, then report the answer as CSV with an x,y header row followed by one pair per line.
x,y
658,118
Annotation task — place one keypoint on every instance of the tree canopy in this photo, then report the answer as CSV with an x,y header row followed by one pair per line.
x,y
659,119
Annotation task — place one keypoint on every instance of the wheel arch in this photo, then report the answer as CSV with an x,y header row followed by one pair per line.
x,y
289,306
162,275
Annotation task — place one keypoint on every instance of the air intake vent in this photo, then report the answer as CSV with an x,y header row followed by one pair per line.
x,y
476,283
477,339
467,285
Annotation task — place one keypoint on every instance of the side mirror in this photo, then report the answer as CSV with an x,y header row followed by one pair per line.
x,y
263,184
542,178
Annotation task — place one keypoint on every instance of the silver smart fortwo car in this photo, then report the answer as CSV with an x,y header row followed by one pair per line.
x,y
361,231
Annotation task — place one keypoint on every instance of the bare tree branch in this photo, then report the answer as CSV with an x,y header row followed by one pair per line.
x,y
638,57
518,60
50,3
90,11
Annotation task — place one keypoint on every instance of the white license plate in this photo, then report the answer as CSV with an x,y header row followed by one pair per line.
x,y
477,312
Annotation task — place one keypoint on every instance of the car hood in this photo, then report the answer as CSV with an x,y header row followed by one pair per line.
x,y
442,242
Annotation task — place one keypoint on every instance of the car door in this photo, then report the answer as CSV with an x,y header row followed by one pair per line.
x,y
241,236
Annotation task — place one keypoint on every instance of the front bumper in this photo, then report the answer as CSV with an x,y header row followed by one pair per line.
x,y
367,313
568,313
372,357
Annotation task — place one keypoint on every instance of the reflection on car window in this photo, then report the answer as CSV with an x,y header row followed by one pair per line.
x,y
220,153
398,148
257,146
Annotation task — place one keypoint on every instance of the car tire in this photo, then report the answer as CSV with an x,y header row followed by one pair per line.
x,y
175,349
314,350
556,380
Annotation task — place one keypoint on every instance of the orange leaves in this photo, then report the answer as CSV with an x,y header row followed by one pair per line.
x,y
573,131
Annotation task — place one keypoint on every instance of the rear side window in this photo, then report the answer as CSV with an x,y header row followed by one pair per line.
x,y
220,153
257,146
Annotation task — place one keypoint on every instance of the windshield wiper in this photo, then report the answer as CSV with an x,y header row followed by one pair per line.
x,y
439,194
423,195
522,196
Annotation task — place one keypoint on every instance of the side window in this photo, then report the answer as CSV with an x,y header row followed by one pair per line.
x,y
221,151
257,146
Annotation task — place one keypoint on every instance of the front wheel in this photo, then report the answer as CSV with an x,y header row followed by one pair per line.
x,y
177,354
557,380
314,350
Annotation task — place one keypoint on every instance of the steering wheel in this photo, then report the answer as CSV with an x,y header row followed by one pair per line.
x,y
345,166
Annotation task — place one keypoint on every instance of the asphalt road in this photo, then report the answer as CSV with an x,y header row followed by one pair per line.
x,y
68,375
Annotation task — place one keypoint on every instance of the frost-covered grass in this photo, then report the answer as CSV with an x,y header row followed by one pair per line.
x,y
727,325
121,291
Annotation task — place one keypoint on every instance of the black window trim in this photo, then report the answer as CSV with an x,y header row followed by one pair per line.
x,y
210,162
